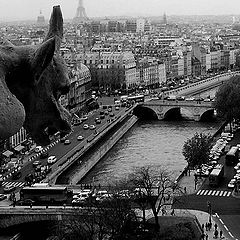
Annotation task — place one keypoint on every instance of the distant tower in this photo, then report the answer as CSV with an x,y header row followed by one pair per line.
x,y
40,19
81,15
164,18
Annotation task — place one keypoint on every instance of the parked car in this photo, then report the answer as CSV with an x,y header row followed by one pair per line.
x,y
102,116
92,127
36,163
80,138
44,155
231,184
16,175
8,189
112,114
51,159
117,108
77,122
85,126
2,197
84,118
98,121
38,149
67,141
26,202
62,140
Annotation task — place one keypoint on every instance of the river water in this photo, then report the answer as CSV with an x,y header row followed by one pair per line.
x,y
156,143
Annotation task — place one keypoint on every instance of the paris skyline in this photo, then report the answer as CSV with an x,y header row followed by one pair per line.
x,y
29,9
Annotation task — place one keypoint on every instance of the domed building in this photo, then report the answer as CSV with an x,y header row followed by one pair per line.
x,y
40,19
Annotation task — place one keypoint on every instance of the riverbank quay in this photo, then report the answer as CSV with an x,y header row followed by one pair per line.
x,y
102,150
71,157
227,223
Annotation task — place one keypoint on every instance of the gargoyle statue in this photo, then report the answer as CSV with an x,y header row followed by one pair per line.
x,y
32,79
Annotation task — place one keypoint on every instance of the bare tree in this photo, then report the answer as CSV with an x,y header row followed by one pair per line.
x,y
157,187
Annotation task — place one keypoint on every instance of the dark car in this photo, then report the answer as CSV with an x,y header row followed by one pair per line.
x,y
62,140
44,155
9,189
16,175
112,115
2,197
98,121
29,177
77,122
102,116
26,202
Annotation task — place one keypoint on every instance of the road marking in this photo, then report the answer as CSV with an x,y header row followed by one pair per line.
x,y
199,192
224,226
15,184
225,193
215,193
209,193
229,193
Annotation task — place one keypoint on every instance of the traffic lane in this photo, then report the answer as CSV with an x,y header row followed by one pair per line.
x,y
220,205
60,149
232,223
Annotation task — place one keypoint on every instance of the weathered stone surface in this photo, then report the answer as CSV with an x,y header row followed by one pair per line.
x,y
32,79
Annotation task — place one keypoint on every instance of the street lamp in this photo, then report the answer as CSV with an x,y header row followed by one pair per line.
x,y
209,206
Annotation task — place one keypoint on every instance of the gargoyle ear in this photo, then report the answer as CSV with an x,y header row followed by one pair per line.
x,y
42,57
56,27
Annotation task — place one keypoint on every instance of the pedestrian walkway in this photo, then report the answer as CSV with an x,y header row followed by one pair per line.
x,y
216,193
13,184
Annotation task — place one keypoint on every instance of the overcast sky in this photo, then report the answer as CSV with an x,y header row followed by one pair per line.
x,y
29,9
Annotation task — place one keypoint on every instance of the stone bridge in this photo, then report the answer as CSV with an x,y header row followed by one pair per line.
x,y
162,108
19,215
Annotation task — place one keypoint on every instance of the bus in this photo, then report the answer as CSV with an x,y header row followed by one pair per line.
x,y
136,98
216,175
45,194
232,156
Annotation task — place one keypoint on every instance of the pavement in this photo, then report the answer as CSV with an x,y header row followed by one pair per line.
x,y
203,217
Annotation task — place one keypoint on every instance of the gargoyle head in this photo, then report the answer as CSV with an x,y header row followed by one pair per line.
x,y
38,76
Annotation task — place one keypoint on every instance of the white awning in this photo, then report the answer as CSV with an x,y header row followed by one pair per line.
x,y
19,148
7,153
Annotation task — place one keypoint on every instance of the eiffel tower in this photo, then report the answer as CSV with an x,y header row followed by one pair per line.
x,y
81,15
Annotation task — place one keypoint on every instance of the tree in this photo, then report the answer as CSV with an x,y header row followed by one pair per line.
x,y
228,98
157,188
196,150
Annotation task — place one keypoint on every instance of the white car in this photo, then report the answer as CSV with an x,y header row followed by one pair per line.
x,y
231,184
38,149
84,118
51,159
92,127
80,138
85,126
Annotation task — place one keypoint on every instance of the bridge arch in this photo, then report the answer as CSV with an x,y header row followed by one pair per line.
x,y
145,113
207,115
172,113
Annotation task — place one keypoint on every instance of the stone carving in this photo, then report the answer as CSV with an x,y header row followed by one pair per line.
x,y
32,79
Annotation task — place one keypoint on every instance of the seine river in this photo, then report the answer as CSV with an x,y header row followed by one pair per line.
x,y
156,143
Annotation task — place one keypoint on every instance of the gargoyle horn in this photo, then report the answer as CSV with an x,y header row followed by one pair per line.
x,y
56,27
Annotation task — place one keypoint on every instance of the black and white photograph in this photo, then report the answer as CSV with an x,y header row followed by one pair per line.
x,y
119,119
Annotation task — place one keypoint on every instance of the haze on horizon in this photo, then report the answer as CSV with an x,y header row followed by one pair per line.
x,y
29,9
